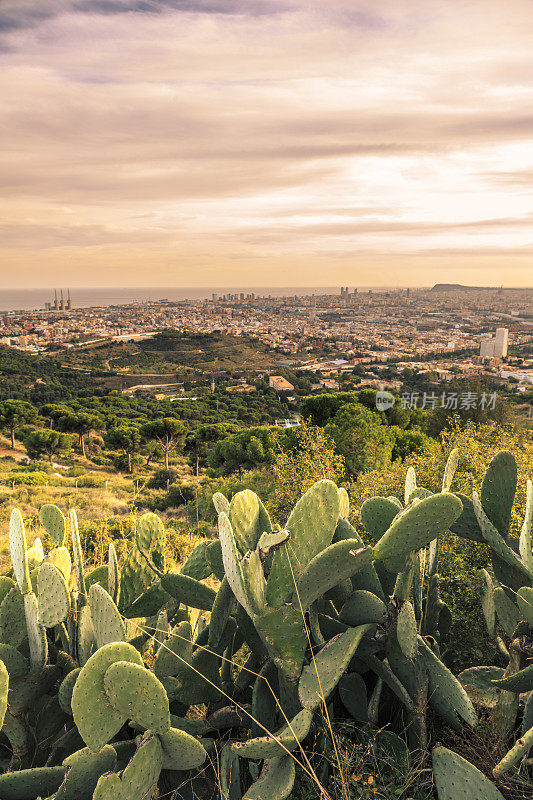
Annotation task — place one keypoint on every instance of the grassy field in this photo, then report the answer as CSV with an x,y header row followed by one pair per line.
x,y
107,503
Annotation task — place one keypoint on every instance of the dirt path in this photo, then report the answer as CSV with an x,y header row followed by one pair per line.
x,y
19,453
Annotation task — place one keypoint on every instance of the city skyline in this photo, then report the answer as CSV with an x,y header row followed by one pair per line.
x,y
265,143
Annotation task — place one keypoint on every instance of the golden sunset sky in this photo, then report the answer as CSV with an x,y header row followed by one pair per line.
x,y
266,142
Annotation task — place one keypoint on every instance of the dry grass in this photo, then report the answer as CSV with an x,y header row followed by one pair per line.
x,y
483,749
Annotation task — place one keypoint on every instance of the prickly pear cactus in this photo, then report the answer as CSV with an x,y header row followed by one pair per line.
x,y
307,620
53,522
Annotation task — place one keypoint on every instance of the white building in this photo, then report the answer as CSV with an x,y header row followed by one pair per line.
x,y
496,346
500,343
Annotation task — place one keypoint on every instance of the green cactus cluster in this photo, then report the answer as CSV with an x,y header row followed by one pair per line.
x,y
100,671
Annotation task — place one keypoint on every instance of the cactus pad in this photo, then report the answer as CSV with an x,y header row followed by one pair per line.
x,y
83,771
450,469
278,744
188,591
478,683
487,600
406,631
138,695
17,547
254,581
231,561
97,720
320,677
526,534
181,750
15,662
498,490
12,618
276,780
446,694
521,681
150,537
249,519
223,606
36,633
176,650
148,603
506,611
54,523
113,575
60,558
415,527
455,777
311,525
363,607
524,598
493,537
352,691
197,566
330,567
4,687
107,623
139,779
77,553
230,774
30,783
410,484
377,514
221,503
466,525
54,598
66,688
284,632
35,554
86,635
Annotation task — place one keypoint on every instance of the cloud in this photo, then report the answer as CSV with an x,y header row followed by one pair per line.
x,y
265,131
20,14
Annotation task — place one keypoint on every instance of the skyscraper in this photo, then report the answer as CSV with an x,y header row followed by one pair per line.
x,y
496,346
500,342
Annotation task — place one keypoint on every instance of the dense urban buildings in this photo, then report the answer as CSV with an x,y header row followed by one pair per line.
x,y
449,328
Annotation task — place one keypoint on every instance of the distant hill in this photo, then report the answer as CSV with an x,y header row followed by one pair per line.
x,y
453,287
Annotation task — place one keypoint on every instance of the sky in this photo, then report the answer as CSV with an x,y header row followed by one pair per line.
x,y
266,142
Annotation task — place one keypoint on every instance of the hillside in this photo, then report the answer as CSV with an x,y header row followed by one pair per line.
x,y
22,371
170,352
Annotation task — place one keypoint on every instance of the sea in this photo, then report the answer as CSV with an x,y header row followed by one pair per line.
x,y
32,299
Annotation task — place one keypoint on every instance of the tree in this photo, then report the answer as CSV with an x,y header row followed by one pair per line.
x,y
203,438
361,437
318,410
127,439
252,448
53,411
168,432
47,443
306,454
14,413
82,424
408,442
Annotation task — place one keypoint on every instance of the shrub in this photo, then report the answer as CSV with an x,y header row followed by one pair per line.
x,y
91,481
35,478
162,478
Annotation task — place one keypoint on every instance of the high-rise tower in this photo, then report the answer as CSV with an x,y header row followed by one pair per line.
x,y
55,300
62,304
500,342
69,304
